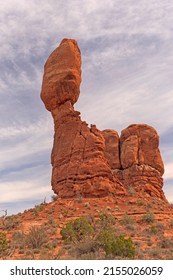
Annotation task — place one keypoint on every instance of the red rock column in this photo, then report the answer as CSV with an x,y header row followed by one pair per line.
x,y
141,162
78,160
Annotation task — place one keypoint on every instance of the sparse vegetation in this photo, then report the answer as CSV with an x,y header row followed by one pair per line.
x,y
54,197
100,234
166,243
140,202
148,217
18,239
10,222
76,230
87,205
102,229
131,191
127,220
3,244
36,237
116,245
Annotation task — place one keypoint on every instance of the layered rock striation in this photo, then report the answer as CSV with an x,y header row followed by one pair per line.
x,y
85,160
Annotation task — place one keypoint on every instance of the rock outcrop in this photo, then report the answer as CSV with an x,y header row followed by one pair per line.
x,y
112,148
138,161
85,160
78,160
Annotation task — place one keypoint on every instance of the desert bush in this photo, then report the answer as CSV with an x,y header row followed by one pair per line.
x,y
165,243
131,191
76,230
154,253
149,206
106,220
87,205
140,202
148,217
84,249
127,220
54,197
18,239
3,244
153,229
21,251
160,226
37,209
116,245
52,222
36,237
10,222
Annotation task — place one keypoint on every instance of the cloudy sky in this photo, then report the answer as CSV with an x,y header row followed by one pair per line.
x,y
127,74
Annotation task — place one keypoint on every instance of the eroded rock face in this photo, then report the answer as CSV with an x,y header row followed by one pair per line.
x,y
139,144
141,163
78,160
112,148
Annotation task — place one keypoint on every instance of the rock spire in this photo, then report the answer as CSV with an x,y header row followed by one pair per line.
x,y
79,163
87,161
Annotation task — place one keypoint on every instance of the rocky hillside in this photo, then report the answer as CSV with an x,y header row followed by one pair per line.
x,y
146,229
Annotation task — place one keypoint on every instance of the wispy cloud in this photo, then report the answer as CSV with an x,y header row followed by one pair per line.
x,y
127,77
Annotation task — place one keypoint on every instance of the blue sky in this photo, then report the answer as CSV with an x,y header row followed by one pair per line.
x,y
127,77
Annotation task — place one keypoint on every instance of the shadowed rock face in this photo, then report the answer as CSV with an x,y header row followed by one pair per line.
x,y
88,161
78,160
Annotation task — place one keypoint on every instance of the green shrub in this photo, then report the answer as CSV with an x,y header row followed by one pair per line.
x,y
153,230
116,245
123,247
54,197
106,239
76,230
3,244
140,202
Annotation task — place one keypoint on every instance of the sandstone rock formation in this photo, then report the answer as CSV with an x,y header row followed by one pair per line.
x,y
112,148
138,161
78,160
85,160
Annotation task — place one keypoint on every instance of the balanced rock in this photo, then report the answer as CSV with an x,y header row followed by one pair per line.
x,y
85,160
78,159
